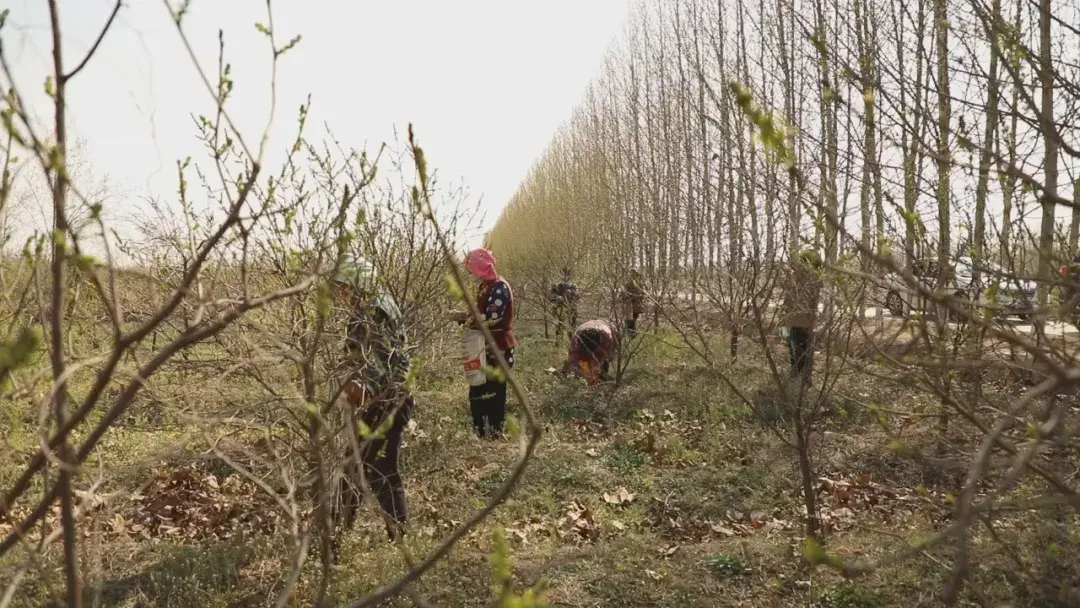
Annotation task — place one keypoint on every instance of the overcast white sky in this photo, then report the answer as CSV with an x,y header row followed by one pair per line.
x,y
485,82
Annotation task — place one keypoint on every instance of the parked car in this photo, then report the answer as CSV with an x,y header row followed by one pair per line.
x,y
996,290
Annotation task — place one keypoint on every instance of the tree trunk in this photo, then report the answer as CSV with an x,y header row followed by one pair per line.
x,y
911,136
986,152
786,60
941,20
1009,181
806,472
1074,224
869,146
1050,168
828,129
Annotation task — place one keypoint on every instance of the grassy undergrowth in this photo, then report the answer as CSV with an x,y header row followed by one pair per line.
x,y
664,492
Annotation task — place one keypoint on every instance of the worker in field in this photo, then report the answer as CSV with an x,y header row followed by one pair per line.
x,y
564,298
593,346
632,298
1070,291
800,312
376,366
495,302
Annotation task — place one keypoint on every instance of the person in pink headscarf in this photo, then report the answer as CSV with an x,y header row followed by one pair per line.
x,y
495,301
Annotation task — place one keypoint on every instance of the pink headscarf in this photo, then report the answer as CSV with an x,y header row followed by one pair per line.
x,y
481,264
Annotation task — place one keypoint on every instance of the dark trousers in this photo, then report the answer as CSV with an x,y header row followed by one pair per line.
x,y
380,459
565,321
631,324
801,352
488,403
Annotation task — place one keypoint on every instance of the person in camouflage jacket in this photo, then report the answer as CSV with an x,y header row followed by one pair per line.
x,y
376,367
564,298
800,312
632,297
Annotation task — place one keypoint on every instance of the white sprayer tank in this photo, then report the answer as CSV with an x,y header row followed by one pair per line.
x,y
473,355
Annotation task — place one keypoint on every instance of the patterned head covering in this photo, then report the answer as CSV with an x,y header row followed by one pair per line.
x,y
481,264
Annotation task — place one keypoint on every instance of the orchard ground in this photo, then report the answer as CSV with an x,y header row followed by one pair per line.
x,y
666,491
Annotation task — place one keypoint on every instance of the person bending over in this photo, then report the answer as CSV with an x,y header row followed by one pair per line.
x,y
594,345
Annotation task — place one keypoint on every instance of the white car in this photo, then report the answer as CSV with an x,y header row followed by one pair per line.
x,y
997,291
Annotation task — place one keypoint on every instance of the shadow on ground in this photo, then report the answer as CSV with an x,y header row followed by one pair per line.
x,y
185,576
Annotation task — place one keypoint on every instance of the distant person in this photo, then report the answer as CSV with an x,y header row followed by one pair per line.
x,y
376,366
632,297
800,312
564,298
495,301
1070,291
593,346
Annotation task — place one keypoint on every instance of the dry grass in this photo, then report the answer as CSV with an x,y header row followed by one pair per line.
x,y
667,492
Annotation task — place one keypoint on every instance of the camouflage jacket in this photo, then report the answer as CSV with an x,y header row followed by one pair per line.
x,y
564,293
376,345
803,294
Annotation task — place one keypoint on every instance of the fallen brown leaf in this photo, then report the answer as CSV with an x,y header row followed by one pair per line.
x,y
669,551
620,497
723,530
